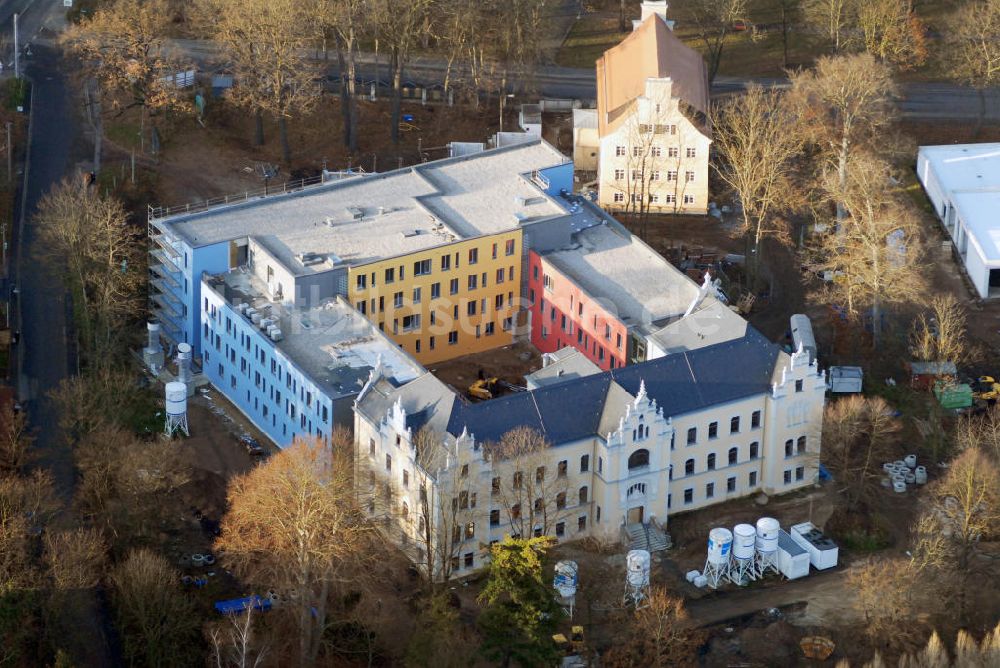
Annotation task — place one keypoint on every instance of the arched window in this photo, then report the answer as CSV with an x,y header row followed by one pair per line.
x,y
734,455
800,446
788,448
638,489
689,467
638,459
711,462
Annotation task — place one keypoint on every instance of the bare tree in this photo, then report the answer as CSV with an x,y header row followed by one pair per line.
x,y
532,497
756,153
883,595
712,21
350,22
156,620
75,558
87,238
845,104
15,439
980,431
659,635
874,252
401,27
293,525
124,46
830,18
940,336
972,47
965,512
856,434
266,44
892,32
234,642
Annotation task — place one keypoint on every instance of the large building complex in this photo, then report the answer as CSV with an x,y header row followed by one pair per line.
x,y
650,133
431,254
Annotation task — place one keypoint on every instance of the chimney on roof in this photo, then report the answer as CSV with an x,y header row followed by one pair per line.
x,y
653,8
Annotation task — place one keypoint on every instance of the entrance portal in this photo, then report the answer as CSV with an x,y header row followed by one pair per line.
x,y
635,515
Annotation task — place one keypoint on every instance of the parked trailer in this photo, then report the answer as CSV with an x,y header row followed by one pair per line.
x,y
793,560
802,335
823,552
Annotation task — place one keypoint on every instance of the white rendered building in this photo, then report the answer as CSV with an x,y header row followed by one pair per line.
x,y
962,181
626,446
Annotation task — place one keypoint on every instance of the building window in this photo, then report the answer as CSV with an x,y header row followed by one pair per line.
x,y
397,300
562,469
755,420
800,473
734,454
752,479
371,446
798,386
731,484
788,448
734,425
638,459
689,467
470,307
495,486
472,281
671,175
540,474
619,151
600,464
362,281
583,495
654,175
655,151
710,464
517,479
689,176
469,559
561,500
636,175
509,247
788,476
560,528
709,490
754,450
688,496
619,174
691,153
422,268
673,152
452,338
636,151
473,255
692,436
800,445
494,518
584,463
619,197
388,462
453,286
581,523
411,322
670,199
713,429
445,262
689,199
390,275
416,295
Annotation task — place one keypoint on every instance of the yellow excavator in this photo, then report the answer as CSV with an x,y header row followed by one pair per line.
x,y
987,389
484,388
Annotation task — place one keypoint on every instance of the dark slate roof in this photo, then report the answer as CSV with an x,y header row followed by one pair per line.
x,y
680,383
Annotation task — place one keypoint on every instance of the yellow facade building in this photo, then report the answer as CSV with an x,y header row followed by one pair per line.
x,y
442,302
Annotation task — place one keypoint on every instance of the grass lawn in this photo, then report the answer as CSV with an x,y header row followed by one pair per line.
x,y
589,38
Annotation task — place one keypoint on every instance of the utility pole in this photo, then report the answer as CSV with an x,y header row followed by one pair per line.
x,y
17,62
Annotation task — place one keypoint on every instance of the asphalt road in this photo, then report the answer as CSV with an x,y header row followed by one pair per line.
x,y
919,101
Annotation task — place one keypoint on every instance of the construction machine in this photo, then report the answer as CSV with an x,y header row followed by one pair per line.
x,y
484,388
987,389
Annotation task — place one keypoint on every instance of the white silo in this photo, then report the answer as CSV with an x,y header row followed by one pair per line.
x,y
720,544
176,396
636,577
768,530
152,354
184,367
743,567
564,581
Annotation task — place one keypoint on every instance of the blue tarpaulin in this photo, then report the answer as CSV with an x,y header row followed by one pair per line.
x,y
238,605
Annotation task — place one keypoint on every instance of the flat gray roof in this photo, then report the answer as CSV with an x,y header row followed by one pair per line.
x,y
366,218
333,344
619,270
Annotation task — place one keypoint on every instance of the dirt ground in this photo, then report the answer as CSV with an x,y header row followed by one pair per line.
x,y
508,363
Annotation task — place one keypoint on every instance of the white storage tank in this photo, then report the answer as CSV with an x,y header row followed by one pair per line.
x,y
637,568
744,541
768,529
176,395
720,543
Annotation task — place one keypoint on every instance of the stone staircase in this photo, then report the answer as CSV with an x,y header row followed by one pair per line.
x,y
647,537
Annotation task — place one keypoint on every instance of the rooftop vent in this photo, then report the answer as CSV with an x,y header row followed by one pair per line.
x,y
357,213
520,217
310,259
411,233
520,200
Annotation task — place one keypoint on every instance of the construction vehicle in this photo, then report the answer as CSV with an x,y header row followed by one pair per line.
x,y
489,388
987,389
